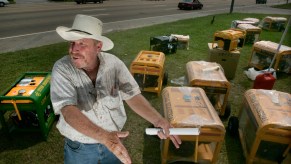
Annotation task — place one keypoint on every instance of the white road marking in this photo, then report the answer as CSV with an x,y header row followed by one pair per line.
x,y
99,15
17,36
94,10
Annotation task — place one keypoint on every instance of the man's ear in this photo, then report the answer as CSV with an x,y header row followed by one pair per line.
x,y
99,44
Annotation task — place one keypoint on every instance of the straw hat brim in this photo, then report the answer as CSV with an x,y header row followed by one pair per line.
x,y
70,35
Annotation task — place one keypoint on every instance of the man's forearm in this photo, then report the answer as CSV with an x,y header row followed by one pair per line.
x,y
143,108
76,119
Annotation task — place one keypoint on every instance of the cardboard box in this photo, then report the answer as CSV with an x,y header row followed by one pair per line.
x,y
227,59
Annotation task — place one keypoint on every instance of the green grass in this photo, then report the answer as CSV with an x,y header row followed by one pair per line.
x,y
30,148
285,6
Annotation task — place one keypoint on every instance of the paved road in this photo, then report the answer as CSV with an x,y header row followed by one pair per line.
x,y
9,44
30,1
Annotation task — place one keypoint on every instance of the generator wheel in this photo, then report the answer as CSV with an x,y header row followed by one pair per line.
x,y
165,79
232,126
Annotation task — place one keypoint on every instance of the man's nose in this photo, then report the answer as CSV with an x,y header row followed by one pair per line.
x,y
75,47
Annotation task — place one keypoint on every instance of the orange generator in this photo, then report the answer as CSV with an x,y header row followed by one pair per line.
x,y
263,53
210,77
230,39
264,126
189,107
148,70
252,32
273,23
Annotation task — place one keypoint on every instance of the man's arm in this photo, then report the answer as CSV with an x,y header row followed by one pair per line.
x,y
75,118
143,108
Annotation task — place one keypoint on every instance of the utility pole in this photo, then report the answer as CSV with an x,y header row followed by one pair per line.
x,y
231,6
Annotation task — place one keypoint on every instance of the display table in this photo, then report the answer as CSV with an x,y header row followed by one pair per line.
x,y
26,105
189,107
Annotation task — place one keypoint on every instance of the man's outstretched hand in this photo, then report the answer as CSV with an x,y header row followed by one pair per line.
x,y
113,143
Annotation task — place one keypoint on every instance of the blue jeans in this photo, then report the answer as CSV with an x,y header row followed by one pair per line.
x,y
79,153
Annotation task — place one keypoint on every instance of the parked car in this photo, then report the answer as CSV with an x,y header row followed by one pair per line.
x,y
3,3
85,1
261,1
190,4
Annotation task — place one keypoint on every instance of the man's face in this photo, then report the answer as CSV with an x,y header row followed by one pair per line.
x,y
84,53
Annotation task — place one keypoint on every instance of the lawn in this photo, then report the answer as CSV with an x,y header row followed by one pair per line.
x,y
30,148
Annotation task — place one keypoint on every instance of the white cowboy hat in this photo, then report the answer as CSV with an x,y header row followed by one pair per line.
x,y
85,27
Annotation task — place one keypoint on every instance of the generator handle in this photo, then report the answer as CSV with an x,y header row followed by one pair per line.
x,y
279,46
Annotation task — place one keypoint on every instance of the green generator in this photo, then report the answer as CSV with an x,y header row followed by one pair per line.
x,y
26,105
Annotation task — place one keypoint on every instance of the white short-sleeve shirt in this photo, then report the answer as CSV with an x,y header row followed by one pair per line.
x,y
102,104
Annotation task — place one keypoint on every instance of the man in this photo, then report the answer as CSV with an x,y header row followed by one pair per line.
x,y
88,87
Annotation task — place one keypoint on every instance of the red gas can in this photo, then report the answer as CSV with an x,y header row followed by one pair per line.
x,y
264,81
